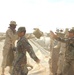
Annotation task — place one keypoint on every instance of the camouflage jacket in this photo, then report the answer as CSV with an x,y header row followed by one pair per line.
x,y
69,54
23,46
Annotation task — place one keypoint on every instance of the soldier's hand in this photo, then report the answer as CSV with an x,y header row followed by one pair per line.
x,y
38,61
53,35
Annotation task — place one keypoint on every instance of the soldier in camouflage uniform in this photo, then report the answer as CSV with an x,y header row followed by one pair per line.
x,y
69,53
62,54
54,54
51,50
23,46
8,54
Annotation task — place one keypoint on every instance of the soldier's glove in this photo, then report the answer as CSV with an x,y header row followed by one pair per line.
x,y
37,61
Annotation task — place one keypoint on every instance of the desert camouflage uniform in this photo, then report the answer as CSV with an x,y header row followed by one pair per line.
x,y
51,49
8,54
20,64
54,52
69,54
62,54
61,58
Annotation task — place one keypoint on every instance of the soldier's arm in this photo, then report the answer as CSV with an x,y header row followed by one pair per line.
x,y
30,50
64,40
11,35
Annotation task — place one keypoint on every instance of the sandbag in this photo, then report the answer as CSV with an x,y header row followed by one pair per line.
x,y
37,33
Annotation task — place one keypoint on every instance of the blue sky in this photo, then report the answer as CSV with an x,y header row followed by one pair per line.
x,y
45,14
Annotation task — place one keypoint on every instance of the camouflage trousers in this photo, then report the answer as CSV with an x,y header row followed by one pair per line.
x,y
67,66
20,70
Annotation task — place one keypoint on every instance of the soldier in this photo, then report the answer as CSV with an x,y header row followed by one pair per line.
x,y
10,38
69,53
54,51
62,54
51,50
23,46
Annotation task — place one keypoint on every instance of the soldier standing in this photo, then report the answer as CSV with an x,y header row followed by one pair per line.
x,y
69,53
51,50
54,51
23,46
62,54
8,54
